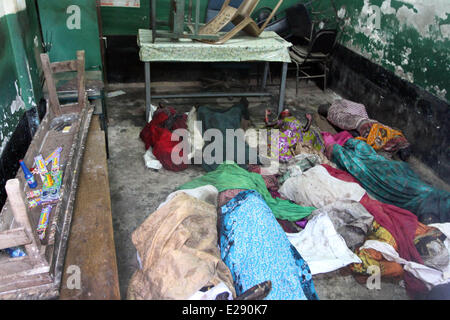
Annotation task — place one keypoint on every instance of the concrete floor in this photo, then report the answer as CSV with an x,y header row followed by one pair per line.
x,y
137,191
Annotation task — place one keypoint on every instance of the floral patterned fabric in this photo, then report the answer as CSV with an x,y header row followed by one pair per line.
x,y
267,47
256,249
291,134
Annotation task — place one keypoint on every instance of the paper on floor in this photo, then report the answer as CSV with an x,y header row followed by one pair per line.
x,y
151,161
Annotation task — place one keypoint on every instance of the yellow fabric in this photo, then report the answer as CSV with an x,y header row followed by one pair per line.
x,y
371,257
379,135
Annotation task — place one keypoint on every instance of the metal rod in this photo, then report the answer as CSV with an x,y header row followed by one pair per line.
x,y
153,19
148,97
197,17
190,12
266,72
213,95
282,87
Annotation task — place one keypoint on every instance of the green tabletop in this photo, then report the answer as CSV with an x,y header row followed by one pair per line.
x,y
269,46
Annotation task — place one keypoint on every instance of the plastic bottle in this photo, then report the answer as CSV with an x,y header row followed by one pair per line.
x,y
28,175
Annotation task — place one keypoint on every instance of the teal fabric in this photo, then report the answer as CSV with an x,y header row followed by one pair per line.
x,y
392,182
230,176
222,120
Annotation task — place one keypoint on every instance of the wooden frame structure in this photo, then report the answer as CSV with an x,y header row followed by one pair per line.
x,y
38,274
209,32
240,17
177,24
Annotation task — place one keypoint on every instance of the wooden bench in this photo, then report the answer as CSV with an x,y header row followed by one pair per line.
x,y
38,274
91,242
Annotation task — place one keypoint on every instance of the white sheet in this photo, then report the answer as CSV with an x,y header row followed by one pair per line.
x,y
207,193
317,188
321,246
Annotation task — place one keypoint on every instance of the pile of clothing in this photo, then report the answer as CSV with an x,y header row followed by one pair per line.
x,y
244,232
202,125
158,134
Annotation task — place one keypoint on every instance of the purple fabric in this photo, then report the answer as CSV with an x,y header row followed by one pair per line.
x,y
347,114
302,223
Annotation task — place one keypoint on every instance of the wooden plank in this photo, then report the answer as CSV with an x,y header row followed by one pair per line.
x,y
17,203
64,66
60,228
13,238
6,215
30,277
81,80
92,223
51,88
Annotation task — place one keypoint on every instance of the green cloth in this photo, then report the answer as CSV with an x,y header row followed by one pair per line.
x,y
230,176
269,46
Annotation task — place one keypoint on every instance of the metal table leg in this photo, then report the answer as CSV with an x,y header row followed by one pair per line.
x,y
148,97
104,121
266,72
282,87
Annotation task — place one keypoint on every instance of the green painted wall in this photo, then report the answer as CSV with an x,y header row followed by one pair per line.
x,y
20,73
71,25
126,21
408,37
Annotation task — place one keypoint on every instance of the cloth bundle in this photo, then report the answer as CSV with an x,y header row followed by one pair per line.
x,y
349,115
392,182
317,188
221,120
291,134
158,135
393,225
256,249
178,248
321,246
230,176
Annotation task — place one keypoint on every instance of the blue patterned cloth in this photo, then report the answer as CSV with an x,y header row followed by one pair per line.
x,y
392,182
255,248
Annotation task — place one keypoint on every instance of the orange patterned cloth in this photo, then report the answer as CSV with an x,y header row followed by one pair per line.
x,y
372,257
384,137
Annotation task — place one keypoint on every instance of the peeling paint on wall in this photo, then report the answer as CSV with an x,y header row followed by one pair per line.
x,y
18,103
11,6
20,85
409,37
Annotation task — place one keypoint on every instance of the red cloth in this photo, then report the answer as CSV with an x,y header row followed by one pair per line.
x,y
401,224
157,136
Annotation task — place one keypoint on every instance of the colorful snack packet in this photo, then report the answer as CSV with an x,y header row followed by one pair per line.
x,y
51,193
43,221
40,165
55,162
48,180
32,203
52,155
34,193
